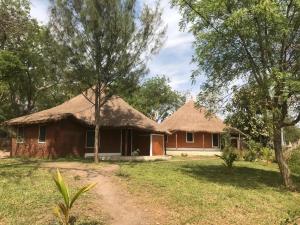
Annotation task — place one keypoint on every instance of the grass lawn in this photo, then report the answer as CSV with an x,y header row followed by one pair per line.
x,y
205,192
28,195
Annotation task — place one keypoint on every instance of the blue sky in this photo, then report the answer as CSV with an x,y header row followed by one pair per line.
x,y
174,59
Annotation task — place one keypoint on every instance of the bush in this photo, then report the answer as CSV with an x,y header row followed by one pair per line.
x,y
252,152
294,161
266,154
229,156
250,155
256,151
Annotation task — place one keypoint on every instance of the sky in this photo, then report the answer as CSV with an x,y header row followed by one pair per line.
x,y
173,60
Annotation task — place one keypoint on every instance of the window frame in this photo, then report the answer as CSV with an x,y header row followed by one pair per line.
x,y
186,137
86,138
212,140
39,137
22,140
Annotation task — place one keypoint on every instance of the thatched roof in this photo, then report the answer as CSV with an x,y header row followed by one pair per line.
x,y
192,119
114,113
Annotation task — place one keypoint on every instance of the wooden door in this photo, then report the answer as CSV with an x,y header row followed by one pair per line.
x,y
158,147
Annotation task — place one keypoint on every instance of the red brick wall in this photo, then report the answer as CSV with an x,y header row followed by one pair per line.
x,y
199,142
110,141
63,138
68,137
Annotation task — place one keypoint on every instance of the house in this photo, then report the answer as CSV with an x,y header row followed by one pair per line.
x,y
195,133
68,129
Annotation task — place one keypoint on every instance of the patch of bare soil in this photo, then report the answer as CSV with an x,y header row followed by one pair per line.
x,y
114,199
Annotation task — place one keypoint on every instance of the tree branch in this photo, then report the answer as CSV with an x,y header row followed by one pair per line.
x,y
292,123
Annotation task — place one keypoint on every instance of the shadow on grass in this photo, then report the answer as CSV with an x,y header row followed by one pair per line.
x,y
243,177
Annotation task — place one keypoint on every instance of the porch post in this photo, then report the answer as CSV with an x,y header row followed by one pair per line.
x,y
131,141
121,141
150,144
176,140
126,141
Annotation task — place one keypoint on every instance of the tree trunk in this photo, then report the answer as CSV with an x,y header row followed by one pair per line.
x,y
97,142
97,124
283,166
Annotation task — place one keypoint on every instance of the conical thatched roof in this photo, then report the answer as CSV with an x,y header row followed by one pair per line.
x,y
192,119
114,113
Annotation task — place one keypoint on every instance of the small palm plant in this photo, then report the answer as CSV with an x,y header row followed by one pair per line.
x,y
62,210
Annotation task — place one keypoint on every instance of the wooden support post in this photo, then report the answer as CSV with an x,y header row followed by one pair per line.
x,y
130,141
176,140
126,142
121,144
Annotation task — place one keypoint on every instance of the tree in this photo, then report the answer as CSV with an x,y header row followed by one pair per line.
x,y
29,62
252,42
108,42
165,102
291,134
246,114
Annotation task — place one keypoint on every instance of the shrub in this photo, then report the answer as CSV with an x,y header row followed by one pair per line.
x,y
229,156
63,209
294,161
266,154
252,152
184,154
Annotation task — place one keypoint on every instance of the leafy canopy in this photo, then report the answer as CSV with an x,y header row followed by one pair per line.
x,y
108,42
247,42
156,99
255,43
29,61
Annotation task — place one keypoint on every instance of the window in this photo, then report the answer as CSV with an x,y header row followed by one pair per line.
x,y
42,134
20,135
90,139
215,140
190,137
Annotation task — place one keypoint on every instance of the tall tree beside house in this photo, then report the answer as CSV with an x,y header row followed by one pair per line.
x,y
246,114
252,41
29,62
165,102
109,42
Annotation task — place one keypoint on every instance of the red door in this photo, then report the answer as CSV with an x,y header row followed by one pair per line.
x,y
158,144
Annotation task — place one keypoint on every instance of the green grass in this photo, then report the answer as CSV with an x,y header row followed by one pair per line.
x,y
205,192
28,195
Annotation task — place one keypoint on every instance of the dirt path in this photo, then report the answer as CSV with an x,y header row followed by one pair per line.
x,y
123,207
